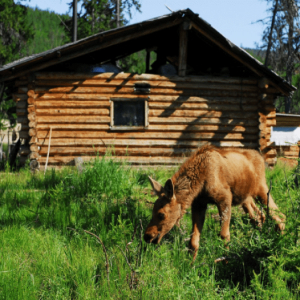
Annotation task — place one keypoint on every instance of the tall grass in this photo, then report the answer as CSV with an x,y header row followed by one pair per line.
x,y
70,235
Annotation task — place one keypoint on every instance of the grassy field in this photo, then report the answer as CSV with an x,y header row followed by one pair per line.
x,y
48,250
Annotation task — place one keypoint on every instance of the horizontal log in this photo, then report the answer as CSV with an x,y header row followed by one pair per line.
x,y
152,84
71,111
142,77
24,135
291,153
203,121
141,142
21,104
152,120
152,105
71,104
209,105
24,127
287,148
30,109
144,135
247,100
45,95
31,100
73,119
202,113
21,82
32,132
31,116
41,126
19,97
287,118
181,128
152,113
271,122
74,97
270,151
287,124
154,90
34,155
271,115
22,90
135,159
22,120
114,151
33,140
21,111
31,93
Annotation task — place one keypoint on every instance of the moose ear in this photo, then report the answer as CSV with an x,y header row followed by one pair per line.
x,y
157,188
169,188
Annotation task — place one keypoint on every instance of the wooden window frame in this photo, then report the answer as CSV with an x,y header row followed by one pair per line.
x,y
131,128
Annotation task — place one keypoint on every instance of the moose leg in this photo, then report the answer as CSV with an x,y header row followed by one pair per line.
x,y
224,208
198,217
263,198
256,216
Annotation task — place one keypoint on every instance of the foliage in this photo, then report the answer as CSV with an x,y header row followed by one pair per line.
x,y
48,254
16,30
48,32
281,39
100,15
136,62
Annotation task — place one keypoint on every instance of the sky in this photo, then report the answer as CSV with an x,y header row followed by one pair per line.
x,y
235,19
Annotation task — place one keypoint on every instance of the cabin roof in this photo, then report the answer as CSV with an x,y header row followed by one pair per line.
x,y
206,45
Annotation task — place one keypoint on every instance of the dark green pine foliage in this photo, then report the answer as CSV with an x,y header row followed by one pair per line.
x,y
15,30
48,32
100,15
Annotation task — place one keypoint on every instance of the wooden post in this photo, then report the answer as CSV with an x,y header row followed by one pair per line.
x,y
183,41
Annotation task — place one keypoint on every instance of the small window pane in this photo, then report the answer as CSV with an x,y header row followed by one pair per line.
x,y
129,113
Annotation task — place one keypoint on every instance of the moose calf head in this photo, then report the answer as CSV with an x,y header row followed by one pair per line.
x,y
166,212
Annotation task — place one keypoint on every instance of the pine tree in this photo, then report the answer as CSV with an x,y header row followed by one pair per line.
x,y
15,30
281,37
100,15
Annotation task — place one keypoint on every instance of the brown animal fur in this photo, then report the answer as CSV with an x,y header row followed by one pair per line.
x,y
223,177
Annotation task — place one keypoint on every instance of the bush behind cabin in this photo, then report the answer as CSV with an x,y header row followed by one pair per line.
x,y
46,254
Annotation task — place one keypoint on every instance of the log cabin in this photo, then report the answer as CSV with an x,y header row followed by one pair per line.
x,y
285,136
200,89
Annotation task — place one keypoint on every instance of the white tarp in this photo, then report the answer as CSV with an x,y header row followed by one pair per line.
x,y
285,136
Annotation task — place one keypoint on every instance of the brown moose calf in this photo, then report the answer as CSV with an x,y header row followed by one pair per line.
x,y
224,177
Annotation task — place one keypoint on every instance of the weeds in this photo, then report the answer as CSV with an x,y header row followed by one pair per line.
x,y
70,235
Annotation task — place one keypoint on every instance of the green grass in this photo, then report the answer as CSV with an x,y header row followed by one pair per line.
x,y
47,253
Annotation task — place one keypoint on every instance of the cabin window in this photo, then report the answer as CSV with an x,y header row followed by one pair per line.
x,y
129,114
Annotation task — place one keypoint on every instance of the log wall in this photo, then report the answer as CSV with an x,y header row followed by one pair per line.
x,y
289,151
184,113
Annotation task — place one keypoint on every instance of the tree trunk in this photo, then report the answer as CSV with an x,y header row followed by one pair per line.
x,y
271,32
289,61
74,37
